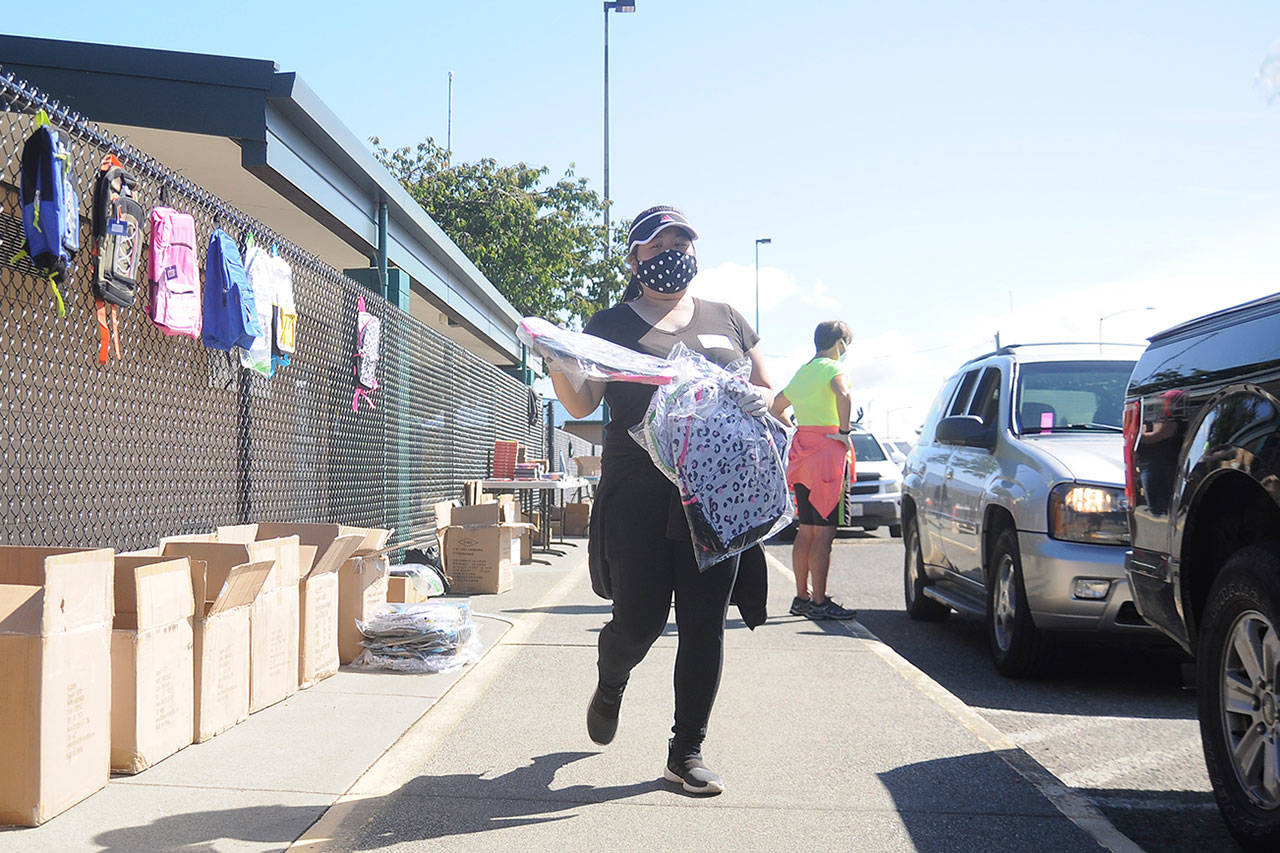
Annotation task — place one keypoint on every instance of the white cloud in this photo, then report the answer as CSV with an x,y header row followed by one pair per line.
x,y
896,371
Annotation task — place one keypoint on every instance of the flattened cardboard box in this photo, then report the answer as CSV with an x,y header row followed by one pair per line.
x,y
152,664
224,642
55,673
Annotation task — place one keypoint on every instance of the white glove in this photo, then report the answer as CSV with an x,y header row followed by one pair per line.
x,y
752,399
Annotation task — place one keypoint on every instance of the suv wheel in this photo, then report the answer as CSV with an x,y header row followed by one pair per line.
x,y
1239,695
895,530
919,605
1017,646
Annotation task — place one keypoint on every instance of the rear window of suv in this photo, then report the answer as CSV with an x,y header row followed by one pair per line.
x,y
1071,395
866,448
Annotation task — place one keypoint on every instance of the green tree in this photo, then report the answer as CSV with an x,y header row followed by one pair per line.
x,y
538,242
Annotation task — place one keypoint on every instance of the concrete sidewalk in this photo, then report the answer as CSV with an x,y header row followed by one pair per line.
x,y
825,738
263,783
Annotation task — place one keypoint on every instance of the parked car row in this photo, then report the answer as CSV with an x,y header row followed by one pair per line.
x,y
1124,492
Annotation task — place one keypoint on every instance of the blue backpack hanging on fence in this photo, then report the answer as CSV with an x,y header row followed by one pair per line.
x,y
230,313
50,208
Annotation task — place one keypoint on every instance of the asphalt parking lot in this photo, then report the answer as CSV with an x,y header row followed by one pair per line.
x,y
1114,722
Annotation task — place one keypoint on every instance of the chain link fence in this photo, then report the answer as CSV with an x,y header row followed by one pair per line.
x,y
176,438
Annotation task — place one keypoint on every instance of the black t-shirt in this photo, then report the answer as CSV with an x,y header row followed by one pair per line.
x,y
716,330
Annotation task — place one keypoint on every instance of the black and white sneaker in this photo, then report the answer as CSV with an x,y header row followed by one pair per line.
x,y
602,715
800,606
689,771
830,610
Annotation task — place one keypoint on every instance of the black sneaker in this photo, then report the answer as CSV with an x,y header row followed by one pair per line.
x,y
694,776
800,606
602,715
830,610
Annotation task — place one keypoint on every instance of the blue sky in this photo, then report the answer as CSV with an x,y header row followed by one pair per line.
x,y
931,173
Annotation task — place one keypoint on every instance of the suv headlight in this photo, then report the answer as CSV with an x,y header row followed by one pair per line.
x,y
891,487
1094,514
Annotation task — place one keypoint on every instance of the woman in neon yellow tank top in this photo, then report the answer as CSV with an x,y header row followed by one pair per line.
x,y
818,465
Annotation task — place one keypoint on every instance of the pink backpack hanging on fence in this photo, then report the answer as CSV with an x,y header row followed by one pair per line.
x,y
368,341
175,282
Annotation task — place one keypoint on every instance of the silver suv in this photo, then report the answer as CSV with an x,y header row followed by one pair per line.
x,y
1013,504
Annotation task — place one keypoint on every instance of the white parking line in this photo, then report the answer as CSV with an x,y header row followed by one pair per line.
x,y
1074,806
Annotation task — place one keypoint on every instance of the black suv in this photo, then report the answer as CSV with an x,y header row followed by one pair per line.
x,y
1202,472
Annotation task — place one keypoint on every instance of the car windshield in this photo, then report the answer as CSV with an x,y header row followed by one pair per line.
x,y
1072,395
866,448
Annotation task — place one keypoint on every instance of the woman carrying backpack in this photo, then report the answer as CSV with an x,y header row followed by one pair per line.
x,y
640,548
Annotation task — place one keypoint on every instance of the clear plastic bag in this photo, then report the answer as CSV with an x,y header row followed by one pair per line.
x,y
436,636
581,357
730,467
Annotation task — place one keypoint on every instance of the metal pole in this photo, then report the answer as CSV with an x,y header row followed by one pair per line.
x,y
608,243
757,287
382,247
449,131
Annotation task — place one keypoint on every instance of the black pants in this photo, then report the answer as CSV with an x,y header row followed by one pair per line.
x,y
647,564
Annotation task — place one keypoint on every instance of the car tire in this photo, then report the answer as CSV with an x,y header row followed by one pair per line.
x,y
1017,646
895,530
919,606
1243,613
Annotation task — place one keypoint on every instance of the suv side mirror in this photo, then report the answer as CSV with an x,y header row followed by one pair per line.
x,y
965,430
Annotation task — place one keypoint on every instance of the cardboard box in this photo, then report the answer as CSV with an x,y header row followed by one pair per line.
x,y
362,589
55,673
479,545
588,466
400,590
152,668
223,590
323,550
577,518
273,614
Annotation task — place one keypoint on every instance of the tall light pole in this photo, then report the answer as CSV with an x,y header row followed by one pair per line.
x,y
617,6
1102,317
449,130
766,241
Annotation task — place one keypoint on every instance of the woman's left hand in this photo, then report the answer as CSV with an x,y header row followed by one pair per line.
x,y
752,399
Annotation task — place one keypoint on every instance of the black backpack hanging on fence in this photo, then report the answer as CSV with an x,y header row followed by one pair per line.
x,y
117,248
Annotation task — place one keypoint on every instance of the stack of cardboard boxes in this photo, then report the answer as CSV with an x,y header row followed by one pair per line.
x,y
116,662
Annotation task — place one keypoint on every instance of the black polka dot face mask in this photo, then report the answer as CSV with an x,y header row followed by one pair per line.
x,y
669,272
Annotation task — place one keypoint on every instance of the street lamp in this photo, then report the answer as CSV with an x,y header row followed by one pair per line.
x,y
617,6
766,241
1102,317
